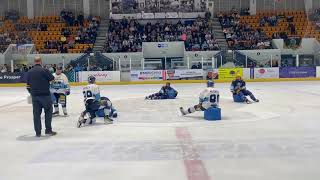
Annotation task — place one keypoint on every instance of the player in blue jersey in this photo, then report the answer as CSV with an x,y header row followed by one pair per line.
x,y
166,92
95,105
209,97
238,87
59,89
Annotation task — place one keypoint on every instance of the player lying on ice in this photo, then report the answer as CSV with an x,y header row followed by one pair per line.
x,y
59,89
238,87
166,92
208,98
95,105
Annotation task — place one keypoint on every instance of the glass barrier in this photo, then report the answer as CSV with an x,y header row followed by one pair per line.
x,y
257,58
192,60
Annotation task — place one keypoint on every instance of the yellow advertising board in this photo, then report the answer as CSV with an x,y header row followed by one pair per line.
x,y
229,73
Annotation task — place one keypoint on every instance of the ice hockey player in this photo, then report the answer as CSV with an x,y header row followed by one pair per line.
x,y
94,104
238,87
166,92
59,89
209,97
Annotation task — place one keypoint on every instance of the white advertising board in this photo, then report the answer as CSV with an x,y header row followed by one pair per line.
x,y
318,71
184,74
260,73
101,76
147,75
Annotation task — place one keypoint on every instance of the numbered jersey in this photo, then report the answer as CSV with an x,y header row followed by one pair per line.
x,y
209,95
91,91
60,84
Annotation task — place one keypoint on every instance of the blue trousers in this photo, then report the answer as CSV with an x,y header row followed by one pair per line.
x,y
245,93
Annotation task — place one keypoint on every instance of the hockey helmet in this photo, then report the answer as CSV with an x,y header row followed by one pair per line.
x,y
210,83
238,76
91,79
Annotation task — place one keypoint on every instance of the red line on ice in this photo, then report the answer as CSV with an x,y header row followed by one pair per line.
x,y
195,168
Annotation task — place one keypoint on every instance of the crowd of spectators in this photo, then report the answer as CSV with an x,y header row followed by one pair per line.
x,y
4,68
273,21
70,18
84,35
152,6
53,67
270,20
92,67
20,37
127,35
241,35
315,17
12,15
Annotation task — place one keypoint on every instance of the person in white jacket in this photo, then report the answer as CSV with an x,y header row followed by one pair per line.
x,y
209,97
60,89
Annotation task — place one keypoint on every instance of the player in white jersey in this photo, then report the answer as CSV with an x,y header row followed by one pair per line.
x,y
93,103
209,97
60,89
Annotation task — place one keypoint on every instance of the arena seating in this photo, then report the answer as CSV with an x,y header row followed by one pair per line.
x,y
256,32
48,34
303,27
127,36
314,17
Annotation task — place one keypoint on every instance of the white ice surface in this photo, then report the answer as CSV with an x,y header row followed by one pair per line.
x,y
276,139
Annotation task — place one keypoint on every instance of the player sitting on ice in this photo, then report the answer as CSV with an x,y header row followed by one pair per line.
x,y
59,89
238,87
166,92
95,104
208,98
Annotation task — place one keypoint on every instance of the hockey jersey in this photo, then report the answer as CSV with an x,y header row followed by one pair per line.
x,y
209,95
60,84
91,91
238,85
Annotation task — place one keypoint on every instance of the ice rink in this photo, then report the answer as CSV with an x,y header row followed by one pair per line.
x,y
276,139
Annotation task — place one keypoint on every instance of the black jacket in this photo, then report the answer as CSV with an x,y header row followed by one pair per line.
x,y
38,81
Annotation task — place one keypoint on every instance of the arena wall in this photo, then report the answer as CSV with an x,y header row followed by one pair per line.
x,y
98,7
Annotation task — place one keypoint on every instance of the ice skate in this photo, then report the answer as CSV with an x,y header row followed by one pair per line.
x,y
108,120
182,111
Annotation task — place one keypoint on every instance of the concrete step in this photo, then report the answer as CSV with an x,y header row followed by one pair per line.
x,y
100,44
218,32
219,36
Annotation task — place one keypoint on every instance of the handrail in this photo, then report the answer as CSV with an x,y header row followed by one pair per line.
x,y
248,58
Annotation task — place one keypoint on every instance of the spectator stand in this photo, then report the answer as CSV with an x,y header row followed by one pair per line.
x,y
51,34
128,35
314,17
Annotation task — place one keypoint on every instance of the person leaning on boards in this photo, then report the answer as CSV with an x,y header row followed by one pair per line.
x,y
38,82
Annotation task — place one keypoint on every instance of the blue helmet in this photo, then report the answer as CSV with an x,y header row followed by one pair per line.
x,y
91,79
210,83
